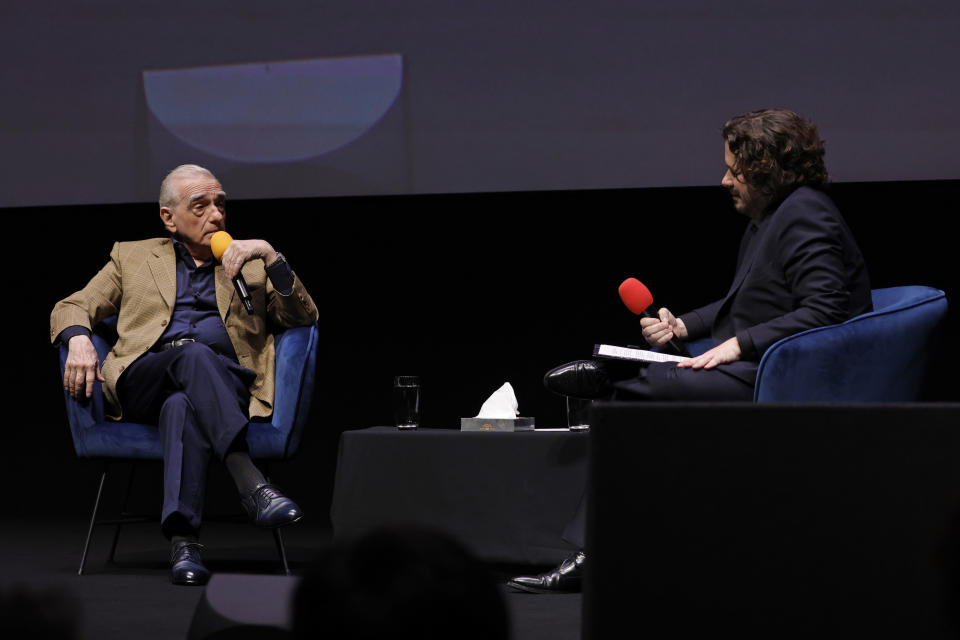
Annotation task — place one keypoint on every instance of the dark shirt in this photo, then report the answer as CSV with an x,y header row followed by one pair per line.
x,y
195,312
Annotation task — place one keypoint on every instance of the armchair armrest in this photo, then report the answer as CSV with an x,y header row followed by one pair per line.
x,y
879,356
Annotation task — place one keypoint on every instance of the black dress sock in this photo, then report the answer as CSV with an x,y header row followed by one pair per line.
x,y
176,528
244,473
176,540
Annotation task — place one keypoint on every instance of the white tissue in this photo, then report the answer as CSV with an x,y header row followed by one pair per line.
x,y
501,405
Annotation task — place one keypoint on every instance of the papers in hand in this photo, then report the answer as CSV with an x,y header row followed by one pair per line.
x,y
501,405
627,353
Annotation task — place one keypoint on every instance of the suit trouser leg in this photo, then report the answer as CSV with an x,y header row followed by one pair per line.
x,y
186,455
664,381
576,530
199,401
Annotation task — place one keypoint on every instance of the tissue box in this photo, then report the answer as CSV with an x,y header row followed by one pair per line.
x,y
497,424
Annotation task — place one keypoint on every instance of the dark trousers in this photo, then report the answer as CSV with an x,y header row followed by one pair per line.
x,y
664,382
199,400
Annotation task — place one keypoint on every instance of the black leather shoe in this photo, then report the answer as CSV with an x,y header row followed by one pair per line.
x,y
186,565
567,578
580,379
269,508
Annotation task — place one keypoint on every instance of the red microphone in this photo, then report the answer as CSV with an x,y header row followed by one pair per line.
x,y
638,299
636,296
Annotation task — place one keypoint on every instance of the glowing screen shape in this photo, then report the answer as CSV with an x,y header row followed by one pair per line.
x,y
275,111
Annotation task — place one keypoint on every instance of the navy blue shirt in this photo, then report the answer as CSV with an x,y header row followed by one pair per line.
x,y
195,312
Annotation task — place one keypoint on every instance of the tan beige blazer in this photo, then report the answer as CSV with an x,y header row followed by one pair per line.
x,y
139,285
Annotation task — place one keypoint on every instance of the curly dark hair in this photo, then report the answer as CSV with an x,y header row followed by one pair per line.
x,y
776,151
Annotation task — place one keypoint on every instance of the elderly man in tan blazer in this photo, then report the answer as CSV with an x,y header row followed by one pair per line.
x,y
189,357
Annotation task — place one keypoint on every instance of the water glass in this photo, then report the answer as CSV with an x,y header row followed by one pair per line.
x,y
406,402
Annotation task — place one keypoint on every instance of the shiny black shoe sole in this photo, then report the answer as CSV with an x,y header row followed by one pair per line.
x,y
587,379
282,524
189,582
527,588
198,576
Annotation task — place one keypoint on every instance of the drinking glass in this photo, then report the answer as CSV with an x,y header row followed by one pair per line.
x,y
406,402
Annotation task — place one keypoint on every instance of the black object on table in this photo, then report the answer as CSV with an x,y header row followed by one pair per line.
x,y
507,496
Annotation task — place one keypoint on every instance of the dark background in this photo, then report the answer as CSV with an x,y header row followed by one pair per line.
x,y
467,291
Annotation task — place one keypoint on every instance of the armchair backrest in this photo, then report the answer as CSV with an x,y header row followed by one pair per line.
x,y
296,366
880,356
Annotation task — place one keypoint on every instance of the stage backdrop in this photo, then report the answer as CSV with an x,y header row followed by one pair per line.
x,y
352,97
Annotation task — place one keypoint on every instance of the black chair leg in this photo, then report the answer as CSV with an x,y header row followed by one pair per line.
x,y
93,520
278,538
123,512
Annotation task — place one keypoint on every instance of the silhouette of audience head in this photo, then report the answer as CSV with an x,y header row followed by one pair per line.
x,y
38,612
402,583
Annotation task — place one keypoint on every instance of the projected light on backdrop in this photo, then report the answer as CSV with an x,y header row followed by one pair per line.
x,y
275,112
286,100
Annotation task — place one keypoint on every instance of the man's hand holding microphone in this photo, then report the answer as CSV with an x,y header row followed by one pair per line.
x,y
233,254
664,329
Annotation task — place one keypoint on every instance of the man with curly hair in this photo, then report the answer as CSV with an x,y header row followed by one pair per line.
x,y
798,268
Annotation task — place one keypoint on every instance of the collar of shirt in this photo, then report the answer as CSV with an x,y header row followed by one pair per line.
x,y
183,255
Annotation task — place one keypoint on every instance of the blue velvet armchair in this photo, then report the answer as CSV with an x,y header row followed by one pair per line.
x,y
95,437
881,356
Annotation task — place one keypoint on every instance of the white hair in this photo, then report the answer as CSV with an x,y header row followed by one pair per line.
x,y
169,197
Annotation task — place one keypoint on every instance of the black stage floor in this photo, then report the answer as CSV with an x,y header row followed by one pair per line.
x,y
133,597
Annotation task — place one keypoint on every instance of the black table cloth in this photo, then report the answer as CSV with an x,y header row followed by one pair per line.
x,y
507,496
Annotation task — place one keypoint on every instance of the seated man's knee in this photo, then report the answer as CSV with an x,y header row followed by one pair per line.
x,y
176,404
177,419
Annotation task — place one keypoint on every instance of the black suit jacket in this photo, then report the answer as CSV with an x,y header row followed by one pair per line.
x,y
798,268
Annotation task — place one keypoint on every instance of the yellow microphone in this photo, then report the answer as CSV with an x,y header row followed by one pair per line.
x,y
218,245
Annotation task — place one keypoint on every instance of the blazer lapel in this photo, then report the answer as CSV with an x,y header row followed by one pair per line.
x,y
740,276
749,251
722,321
163,266
225,292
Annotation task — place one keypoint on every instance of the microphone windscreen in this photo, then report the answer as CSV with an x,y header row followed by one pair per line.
x,y
219,243
635,295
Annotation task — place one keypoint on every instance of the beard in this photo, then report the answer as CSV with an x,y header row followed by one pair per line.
x,y
749,203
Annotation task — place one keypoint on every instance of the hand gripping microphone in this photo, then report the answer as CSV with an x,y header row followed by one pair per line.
x,y
218,244
638,298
